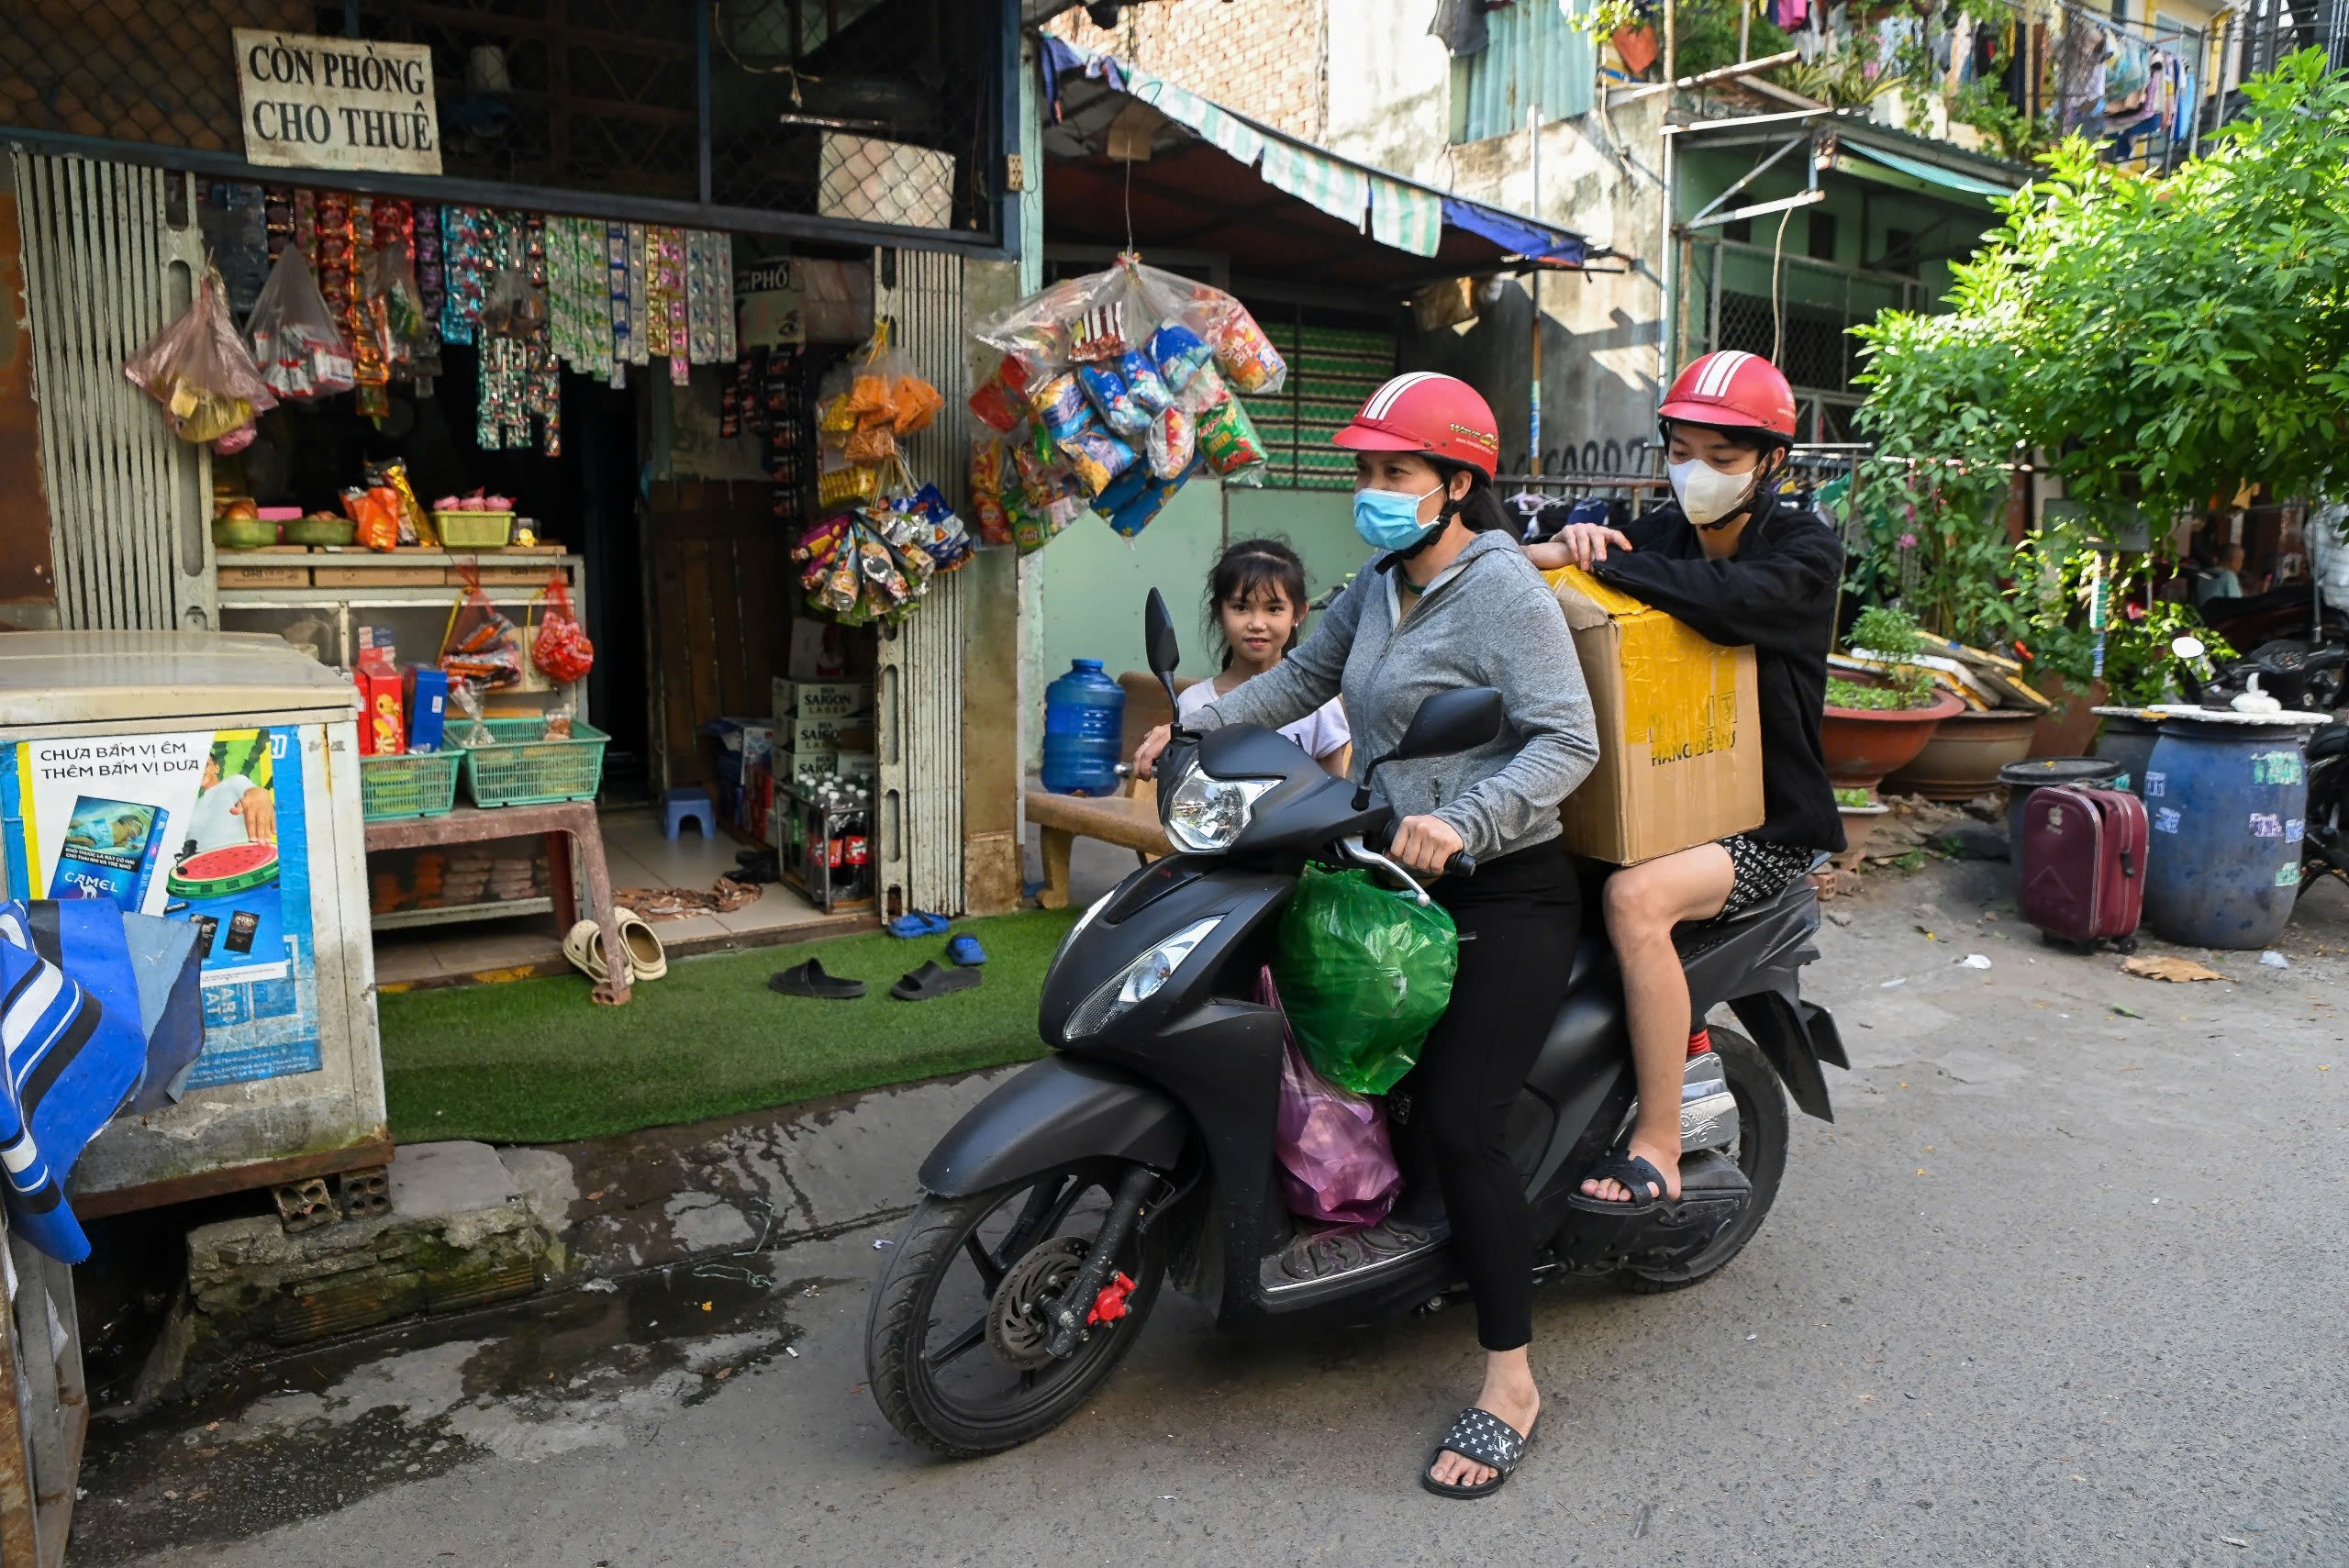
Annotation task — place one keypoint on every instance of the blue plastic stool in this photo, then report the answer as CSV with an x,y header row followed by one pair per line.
x,y
691,801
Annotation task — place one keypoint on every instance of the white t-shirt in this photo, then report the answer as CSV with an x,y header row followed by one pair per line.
x,y
1320,732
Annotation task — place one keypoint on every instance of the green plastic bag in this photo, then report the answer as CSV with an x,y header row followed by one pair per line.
x,y
1363,975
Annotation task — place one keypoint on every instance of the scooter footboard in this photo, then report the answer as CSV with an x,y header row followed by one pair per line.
x,y
1057,1111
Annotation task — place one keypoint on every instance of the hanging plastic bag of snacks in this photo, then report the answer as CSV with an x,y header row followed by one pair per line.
x,y
473,730
395,308
479,644
198,370
561,649
297,340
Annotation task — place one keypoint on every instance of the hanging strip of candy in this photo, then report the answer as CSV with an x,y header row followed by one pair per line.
x,y
370,358
278,202
430,280
673,284
639,305
543,391
306,225
656,292
623,301
465,268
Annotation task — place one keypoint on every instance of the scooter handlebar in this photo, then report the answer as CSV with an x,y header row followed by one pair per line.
x,y
1461,864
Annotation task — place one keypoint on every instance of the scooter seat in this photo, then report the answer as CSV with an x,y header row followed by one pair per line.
x,y
2330,741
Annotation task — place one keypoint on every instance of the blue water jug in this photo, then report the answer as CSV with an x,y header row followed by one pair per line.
x,y
2228,802
1085,721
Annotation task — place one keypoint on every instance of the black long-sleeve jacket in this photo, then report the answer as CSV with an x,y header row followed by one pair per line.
x,y
1778,592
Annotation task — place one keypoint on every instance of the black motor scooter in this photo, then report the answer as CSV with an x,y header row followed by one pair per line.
x,y
1144,1145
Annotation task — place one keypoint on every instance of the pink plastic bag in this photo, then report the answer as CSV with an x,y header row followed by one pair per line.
x,y
1337,1164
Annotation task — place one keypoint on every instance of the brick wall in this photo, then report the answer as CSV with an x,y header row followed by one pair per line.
x,y
1267,59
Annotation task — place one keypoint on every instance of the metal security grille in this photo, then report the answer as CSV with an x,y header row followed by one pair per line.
x,y
1730,303
105,268
920,662
847,112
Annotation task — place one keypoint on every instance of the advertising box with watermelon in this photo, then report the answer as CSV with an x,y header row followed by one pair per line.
x,y
205,826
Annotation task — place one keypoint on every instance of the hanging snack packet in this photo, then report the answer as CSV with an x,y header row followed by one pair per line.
x,y
1134,511
1206,390
1096,457
871,443
1172,442
1060,406
1028,531
416,523
917,403
988,476
377,511
1246,357
1227,439
1179,353
1001,400
1099,333
515,308
1144,383
1107,393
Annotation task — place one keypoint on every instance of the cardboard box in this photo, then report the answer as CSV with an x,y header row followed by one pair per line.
x,y
758,744
427,690
824,735
805,767
820,699
381,731
862,767
1679,729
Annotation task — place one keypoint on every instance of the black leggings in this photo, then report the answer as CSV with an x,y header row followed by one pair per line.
x,y
1525,911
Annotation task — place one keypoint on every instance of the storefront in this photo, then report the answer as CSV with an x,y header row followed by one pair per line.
x,y
606,273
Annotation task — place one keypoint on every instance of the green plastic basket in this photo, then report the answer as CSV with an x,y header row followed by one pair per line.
x,y
522,768
475,530
416,783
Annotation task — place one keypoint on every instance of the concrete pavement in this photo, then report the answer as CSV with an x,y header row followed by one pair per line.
x,y
2061,1285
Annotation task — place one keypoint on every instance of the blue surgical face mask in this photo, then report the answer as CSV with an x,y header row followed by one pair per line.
x,y
1388,519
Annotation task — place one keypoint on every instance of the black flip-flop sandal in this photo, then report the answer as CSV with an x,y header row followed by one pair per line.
x,y
930,980
1480,1436
1636,1175
808,979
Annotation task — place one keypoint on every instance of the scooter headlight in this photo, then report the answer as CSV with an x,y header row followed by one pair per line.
x,y
1205,814
1138,981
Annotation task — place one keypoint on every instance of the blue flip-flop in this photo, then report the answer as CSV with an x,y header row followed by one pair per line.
x,y
966,952
917,923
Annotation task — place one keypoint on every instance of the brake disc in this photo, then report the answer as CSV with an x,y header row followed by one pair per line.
x,y
1017,1331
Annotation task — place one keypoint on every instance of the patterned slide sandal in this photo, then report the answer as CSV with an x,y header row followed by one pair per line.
x,y
1481,1436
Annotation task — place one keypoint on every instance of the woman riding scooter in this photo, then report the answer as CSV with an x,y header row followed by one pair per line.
x,y
1740,564
1452,602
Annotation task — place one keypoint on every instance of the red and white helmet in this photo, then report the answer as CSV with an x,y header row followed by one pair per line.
x,y
1422,411
1732,390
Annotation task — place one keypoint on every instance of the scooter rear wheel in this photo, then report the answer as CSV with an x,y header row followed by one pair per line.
x,y
1760,1151
953,1344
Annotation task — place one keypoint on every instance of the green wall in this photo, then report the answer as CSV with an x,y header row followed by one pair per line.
x,y
1093,582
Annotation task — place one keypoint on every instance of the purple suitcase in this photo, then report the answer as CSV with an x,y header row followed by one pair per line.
x,y
2084,864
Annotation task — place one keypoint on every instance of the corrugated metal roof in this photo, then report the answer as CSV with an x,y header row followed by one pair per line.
x,y
1537,59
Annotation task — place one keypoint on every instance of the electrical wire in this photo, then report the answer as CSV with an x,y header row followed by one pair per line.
x,y
1777,299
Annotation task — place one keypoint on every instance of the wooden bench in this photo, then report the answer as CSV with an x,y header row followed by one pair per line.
x,y
1129,819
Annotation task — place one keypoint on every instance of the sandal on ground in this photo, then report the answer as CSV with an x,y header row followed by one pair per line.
x,y
966,952
584,946
646,958
929,980
1485,1439
917,923
1636,1176
808,979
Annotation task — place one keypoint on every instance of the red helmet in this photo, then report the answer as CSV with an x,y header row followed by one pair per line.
x,y
1424,412
1732,391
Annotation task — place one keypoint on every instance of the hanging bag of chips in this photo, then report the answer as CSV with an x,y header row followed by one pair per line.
x,y
198,370
296,341
479,644
561,649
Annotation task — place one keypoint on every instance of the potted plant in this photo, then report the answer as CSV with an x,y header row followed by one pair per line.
x,y
1871,728
1859,809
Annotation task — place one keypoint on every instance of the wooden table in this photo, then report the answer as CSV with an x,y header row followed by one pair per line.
x,y
565,826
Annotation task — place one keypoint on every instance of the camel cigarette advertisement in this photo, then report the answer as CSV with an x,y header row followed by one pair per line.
x,y
204,826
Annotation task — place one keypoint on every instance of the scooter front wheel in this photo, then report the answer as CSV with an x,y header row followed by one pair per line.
x,y
955,1341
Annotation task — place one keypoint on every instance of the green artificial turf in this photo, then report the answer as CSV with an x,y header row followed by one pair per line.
x,y
534,1062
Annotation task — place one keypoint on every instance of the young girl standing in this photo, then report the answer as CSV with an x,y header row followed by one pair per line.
x,y
1256,598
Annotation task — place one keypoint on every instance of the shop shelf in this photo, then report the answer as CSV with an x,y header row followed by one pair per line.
x,y
521,767
416,783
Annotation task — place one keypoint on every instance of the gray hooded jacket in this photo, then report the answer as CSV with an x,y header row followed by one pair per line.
x,y
1489,620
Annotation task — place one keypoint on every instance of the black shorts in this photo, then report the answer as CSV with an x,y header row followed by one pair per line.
x,y
1762,870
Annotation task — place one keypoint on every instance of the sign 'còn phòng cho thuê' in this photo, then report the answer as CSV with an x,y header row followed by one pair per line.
x,y
326,103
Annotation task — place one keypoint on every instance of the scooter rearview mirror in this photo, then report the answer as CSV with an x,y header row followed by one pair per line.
x,y
1159,645
1447,722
